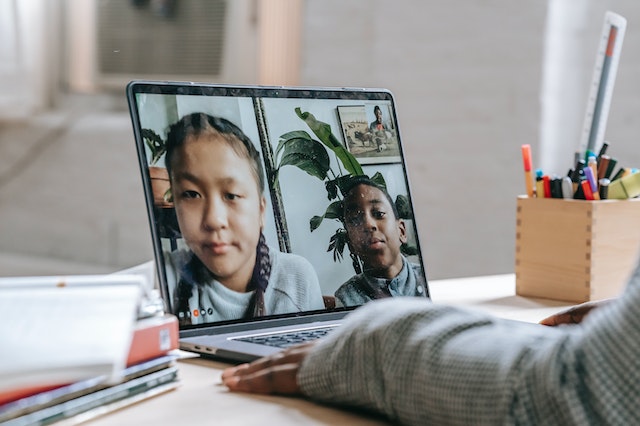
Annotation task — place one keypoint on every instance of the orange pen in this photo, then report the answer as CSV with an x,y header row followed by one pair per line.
x,y
528,176
592,162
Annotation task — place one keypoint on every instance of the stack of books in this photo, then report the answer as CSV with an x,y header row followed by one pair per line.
x,y
82,390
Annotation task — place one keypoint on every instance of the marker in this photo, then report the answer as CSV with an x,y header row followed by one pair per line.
x,y
603,150
618,175
570,173
588,154
602,168
577,173
556,187
610,167
577,156
604,188
567,187
578,194
592,163
546,181
593,184
528,177
539,184
586,190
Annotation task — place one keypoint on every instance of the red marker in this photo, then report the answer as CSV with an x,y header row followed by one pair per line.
x,y
528,176
546,180
586,189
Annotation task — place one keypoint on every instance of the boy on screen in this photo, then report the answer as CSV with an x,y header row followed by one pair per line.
x,y
375,234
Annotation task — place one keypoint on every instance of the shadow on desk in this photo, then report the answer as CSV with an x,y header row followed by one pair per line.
x,y
494,294
244,408
202,399
519,302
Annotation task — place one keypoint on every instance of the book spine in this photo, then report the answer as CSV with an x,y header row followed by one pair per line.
x,y
153,337
16,394
59,395
96,399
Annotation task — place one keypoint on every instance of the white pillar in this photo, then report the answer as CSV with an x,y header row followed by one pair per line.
x,y
279,41
29,56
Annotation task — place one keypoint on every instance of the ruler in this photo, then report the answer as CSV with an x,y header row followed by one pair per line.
x,y
604,78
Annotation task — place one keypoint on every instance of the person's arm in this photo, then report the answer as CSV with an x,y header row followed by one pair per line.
x,y
419,364
405,358
441,365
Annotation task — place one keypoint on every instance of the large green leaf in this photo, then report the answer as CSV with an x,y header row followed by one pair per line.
x,y
403,207
334,211
379,179
344,183
409,250
323,132
332,189
304,163
296,134
337,243
306,154
155,143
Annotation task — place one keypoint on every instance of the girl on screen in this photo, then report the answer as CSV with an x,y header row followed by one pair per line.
x,y
227,271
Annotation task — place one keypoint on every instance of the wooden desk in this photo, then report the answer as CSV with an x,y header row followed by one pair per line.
x,y
201,400
495,294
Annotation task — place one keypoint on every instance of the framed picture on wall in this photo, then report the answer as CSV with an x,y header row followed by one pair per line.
x,y
369,133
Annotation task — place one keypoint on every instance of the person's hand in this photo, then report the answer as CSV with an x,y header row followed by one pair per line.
x,y
275,374
573,315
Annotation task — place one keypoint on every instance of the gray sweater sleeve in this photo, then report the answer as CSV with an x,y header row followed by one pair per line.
x,y
421,363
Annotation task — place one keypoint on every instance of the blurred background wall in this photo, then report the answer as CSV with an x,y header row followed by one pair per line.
x,y
473,79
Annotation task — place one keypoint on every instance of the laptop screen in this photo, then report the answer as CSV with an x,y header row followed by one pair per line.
x,y
266,202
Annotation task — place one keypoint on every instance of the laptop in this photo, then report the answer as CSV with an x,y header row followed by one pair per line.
x,y
254,240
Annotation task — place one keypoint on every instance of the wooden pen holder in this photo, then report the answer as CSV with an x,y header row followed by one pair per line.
x,y
575,250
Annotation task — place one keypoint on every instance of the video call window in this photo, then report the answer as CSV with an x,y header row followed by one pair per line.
x,y
330,169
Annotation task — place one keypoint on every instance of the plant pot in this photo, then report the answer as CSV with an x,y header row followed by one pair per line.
x,y
160,186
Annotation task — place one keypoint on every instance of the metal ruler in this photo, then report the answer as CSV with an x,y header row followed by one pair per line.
x,y
604,77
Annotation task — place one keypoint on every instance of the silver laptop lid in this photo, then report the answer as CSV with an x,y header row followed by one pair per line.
x,y
281,202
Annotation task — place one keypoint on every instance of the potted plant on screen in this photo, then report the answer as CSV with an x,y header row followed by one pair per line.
x,y
159,177
299,149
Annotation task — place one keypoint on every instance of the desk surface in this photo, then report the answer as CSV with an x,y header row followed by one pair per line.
x,y
200,399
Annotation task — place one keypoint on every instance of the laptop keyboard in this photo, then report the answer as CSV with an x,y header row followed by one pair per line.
x,y
290,338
